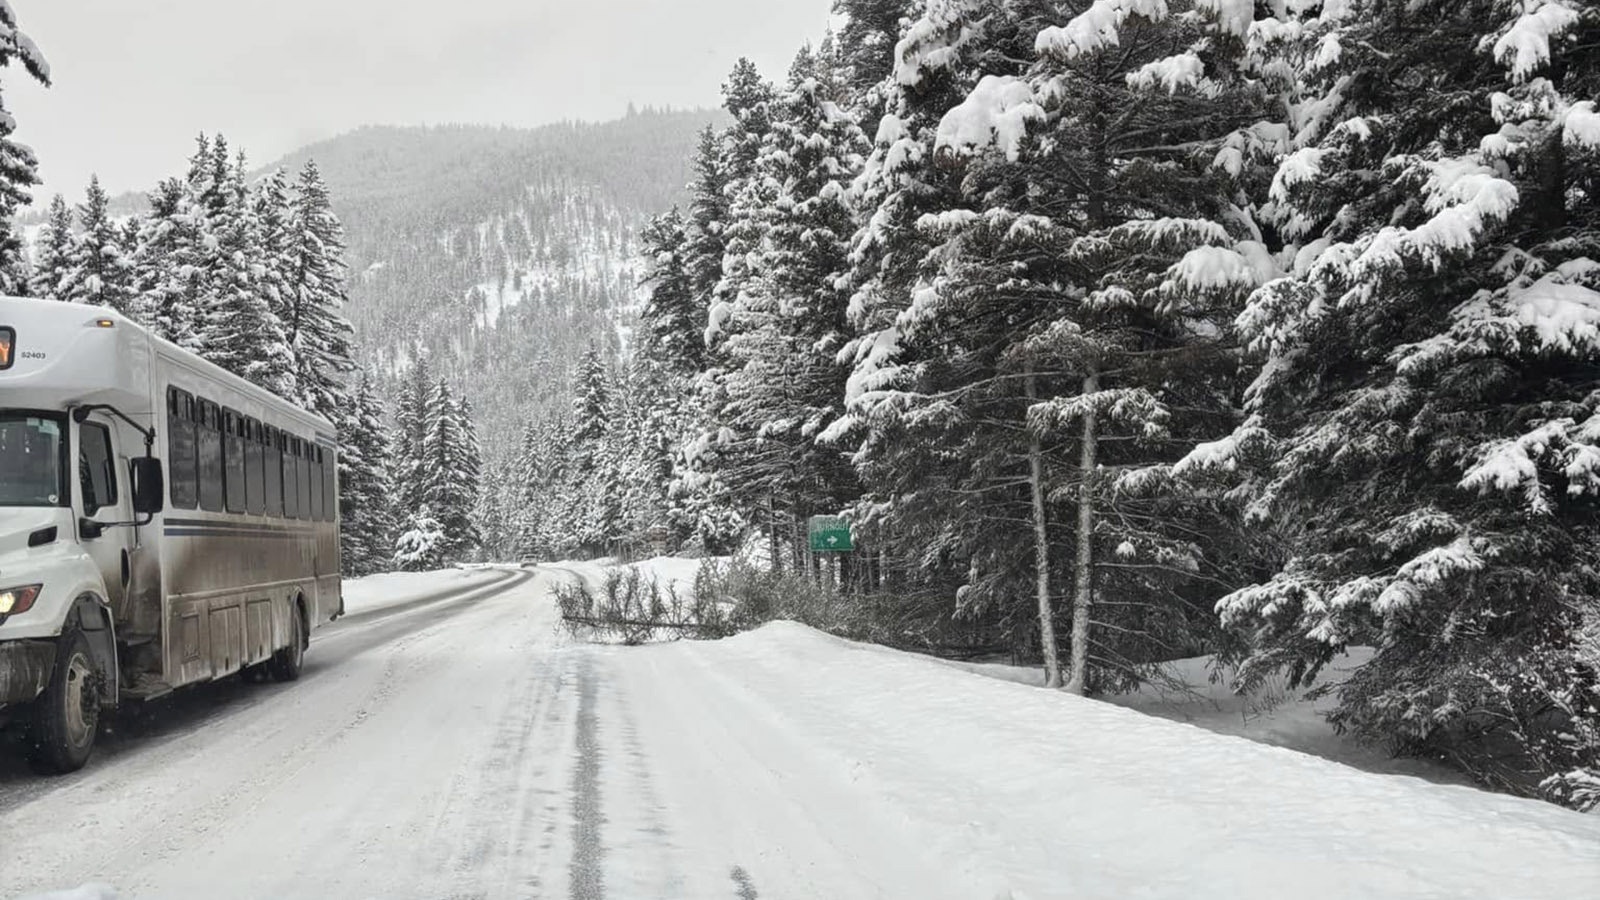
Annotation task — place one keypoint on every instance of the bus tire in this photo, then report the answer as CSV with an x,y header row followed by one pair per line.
x,y
286,663
66,717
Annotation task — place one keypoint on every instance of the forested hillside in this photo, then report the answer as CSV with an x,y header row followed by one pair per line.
x,y
503,253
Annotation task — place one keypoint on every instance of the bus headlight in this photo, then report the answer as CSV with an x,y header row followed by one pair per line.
x,y
18,599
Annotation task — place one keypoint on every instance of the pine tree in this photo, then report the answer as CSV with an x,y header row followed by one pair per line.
x,y
170,266
365,500
674,317
97,270
274,279
781,335
708,216
451,472
241,332
591,396
18,165
867,39
413,421
1026,284
313,318
53,252
1424,427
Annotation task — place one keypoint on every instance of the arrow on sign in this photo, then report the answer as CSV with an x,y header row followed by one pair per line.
x,y
833,540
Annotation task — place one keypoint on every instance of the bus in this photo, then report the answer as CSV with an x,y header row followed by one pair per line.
x,y
163,522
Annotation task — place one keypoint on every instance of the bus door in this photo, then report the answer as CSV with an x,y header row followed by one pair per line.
x,y
101,496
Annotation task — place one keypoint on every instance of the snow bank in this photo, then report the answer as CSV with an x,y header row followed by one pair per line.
x,y
1033,793
672,571
393,588
1277,715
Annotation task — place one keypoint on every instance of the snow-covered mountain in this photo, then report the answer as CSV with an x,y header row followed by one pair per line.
x,y
503,252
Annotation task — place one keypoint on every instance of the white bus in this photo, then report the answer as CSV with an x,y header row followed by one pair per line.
x,y
162,522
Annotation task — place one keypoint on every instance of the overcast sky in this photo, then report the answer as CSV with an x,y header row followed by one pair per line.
x,y
135,80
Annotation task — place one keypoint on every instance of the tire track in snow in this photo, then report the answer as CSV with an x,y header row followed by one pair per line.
x,y
587,871
642,853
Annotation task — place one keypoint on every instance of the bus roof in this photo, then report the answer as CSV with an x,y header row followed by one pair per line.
x,y
69,353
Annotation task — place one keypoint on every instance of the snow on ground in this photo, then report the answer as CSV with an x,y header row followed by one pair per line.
x,y
1276,715
671,571
392,588
667,571
469,748
1023,793
85,892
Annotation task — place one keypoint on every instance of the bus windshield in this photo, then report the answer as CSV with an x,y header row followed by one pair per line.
x,y
31,455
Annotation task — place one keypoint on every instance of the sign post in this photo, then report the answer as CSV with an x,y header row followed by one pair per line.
x,y
830,534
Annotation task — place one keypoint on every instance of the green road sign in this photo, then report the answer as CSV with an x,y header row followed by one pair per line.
x,y
830,534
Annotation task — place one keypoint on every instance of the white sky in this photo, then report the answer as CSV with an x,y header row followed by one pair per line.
x,y
135,80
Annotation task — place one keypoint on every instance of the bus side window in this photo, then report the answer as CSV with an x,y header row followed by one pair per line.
x,y
210,446
272,456
314,453
303,461
290,447
254,471
233,489
181,469
330,485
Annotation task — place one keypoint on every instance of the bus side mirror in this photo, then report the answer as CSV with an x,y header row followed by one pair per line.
x,y
149,486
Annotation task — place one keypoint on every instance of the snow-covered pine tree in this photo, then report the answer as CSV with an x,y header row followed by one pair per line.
x,y
589,507
270,206
591,404
1034,288
1425,426
98,272
719,244
707,220
449,471
414,415
653,426
468,479
674,317
747,97
366,508
546,485
314,322
946,478
52,252
868,34
420,546
241,332
18,165
171,264
783,329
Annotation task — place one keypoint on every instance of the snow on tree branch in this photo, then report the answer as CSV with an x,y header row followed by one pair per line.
x,y
995,113
1465,197
1428,571
1182,71
1581,127
1096,28
1524,47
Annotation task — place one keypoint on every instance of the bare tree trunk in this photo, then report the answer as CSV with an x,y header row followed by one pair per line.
x,y
1041,551
1083,589
797,542
772,534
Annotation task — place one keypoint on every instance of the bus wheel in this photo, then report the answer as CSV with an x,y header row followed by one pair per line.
x,y
67,715
285,664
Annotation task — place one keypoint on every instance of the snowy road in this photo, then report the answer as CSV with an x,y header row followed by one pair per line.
x,y
465,748
454,749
